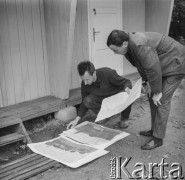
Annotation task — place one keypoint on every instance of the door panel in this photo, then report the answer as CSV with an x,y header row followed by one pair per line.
x,y
105,15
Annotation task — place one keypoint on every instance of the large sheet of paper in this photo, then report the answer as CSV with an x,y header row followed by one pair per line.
x,y
66,151
117,103
95,135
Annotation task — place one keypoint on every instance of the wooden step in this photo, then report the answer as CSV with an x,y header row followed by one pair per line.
x,y
9,120
25,167
10,138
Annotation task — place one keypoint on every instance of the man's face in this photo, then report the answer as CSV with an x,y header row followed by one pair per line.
x,y
87,78
120,50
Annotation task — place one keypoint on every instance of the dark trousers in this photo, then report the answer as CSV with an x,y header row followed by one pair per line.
x,y
94,103
160,114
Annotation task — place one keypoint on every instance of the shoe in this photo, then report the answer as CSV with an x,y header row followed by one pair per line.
x,y
152,144
123,124
146,133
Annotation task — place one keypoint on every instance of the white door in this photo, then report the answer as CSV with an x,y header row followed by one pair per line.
x,y
104,16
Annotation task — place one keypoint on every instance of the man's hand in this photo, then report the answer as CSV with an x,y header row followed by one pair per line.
x,y
127,89
73,123
156,98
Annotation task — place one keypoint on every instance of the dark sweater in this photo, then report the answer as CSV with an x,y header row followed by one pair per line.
x,y
108,83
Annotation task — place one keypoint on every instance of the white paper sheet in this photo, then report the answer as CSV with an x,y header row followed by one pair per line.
x,y
117,103
66,151
95,135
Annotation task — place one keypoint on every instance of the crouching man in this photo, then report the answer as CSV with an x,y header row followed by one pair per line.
x,y
97,85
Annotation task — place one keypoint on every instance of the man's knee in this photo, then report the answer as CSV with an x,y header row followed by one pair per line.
x,y
166,99
88,101
165,102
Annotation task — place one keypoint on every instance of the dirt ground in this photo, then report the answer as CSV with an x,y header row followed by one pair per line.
x,y
173,149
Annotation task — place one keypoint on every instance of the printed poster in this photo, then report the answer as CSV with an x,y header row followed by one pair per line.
x,y
118,102
94,135
67,151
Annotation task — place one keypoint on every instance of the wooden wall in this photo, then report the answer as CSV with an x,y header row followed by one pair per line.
x,y
57,23
33,43
56,15
23,57
133,14
81,42
158,15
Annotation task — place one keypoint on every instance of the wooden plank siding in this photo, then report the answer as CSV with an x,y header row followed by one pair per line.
x,y
70,45
133,15
57,15
81,44
158,15
43,32
8,92
14,51
49,45
23,58
56,33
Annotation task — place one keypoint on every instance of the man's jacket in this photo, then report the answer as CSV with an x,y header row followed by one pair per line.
x,y
108,83
156,56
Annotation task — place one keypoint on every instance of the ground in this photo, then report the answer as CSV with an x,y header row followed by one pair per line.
x,y
173,150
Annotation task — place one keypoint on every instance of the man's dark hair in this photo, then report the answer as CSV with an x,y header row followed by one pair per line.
x,y
117,37
85,66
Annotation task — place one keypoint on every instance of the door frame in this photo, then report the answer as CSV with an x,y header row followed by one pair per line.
x,y
89,25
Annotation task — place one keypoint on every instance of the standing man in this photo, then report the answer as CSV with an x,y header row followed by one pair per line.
x,y
97,85
160,61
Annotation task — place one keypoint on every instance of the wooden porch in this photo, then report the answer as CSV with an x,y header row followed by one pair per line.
x,y
13,116
39,107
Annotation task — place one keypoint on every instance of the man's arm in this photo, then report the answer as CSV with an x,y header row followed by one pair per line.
x,y
73,123
119,81
82,109
149,59
150,62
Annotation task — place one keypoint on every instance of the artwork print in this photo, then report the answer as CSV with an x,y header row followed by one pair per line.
x,y
119,102
66,151
94,134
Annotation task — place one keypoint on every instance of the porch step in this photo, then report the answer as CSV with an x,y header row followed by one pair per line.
x,y
9,120
25,167
10,138
17,131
